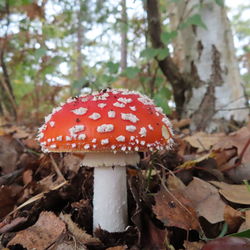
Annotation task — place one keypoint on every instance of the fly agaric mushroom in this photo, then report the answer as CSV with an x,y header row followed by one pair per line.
x,y
111,127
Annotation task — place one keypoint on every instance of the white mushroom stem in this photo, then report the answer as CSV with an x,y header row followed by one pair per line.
x,y
110,188
110,198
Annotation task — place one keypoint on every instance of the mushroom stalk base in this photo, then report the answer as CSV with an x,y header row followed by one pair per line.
x,y
110,198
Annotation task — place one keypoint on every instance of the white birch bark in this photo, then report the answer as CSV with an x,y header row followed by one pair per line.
x,y
209,55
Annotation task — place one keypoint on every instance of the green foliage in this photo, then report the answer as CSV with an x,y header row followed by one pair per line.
x,y
12,3
193,20
244,234
220,2
40,53
112,67
151,53
131,72
162,53
166,37
161,99
37,44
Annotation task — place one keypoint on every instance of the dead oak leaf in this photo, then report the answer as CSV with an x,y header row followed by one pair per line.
x,y
193,245
42,234
203,141
152,236
204,196
8,198
233,218
234,193
78,233
237,139
175,210
117,248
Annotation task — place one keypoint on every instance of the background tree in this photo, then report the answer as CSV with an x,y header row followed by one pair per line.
x,y
51,49
124,27
205,75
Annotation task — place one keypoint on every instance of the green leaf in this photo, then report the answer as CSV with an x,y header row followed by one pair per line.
x,y
166,37
78,84
108,78
131,72
149,53
19,3
145,79
112,67
244,234
166,92
40,52
159,80
161,99
247,185
162,53
220,2
194,20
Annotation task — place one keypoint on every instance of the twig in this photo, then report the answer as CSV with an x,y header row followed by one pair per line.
x,y
58,171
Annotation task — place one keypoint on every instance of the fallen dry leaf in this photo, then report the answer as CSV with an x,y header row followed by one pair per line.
x,y
239,172
193,245
69,246
27,176
174,183
18,133
38,197
191,163
228,243
222,157
247,218
73,162
8,198
204,196
8,154
49,182
153,237
233,218
42,234
234,193
203,141
246,224
175,210
237,139
31,143
78,233
117,248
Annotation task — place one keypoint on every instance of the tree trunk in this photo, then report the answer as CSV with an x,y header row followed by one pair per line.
x,y
79,43
209,56
124,43
179,82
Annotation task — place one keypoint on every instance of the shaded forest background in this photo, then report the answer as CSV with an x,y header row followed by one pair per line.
x,y
50,50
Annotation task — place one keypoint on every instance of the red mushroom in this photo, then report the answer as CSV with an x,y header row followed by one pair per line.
x,y
111,127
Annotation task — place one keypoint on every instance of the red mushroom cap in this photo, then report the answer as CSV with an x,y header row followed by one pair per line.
x,y
110,120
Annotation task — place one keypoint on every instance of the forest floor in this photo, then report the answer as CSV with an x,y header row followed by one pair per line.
x,y
177,200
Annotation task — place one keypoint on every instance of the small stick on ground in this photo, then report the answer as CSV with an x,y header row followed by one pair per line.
x,y
58,171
